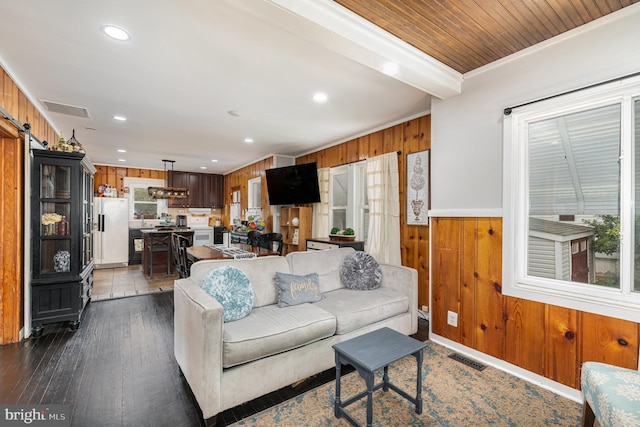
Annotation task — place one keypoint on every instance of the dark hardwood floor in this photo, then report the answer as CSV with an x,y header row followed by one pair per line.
x,y
118,369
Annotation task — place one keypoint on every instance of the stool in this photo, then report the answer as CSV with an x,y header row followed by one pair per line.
x,y
611,395
159,243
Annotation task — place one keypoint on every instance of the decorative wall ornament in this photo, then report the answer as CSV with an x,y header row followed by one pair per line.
x,y
418,186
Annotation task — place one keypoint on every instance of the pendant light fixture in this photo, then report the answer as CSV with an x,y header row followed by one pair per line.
x,y
168,192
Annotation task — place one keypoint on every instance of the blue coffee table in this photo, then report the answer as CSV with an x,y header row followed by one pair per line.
x,y
368,353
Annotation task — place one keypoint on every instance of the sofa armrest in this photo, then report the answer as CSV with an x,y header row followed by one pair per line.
x,y
198,329
404,280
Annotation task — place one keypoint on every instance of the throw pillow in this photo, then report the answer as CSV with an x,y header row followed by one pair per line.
x,y
360,271
294,290
232,288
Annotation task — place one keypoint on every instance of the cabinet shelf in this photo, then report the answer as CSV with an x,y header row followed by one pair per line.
x,y
294,236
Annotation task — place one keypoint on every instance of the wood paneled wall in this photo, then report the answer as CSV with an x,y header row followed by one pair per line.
x,y
15,103
548,340
238,180
409,137
114,176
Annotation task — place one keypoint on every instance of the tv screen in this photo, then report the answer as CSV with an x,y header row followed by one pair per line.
x,y
293,185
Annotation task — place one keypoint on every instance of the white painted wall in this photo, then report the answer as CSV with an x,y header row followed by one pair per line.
x,y
466,139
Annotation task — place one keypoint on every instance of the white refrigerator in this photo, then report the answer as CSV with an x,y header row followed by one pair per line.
x,y
111,227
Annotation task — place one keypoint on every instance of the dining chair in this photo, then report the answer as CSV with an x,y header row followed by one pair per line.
x,y
179,245
254,237
267,241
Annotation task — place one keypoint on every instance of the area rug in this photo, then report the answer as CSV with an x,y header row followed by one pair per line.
x,y
454,394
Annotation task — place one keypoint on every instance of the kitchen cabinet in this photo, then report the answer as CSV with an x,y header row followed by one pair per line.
x,y
179,180
62,237
136,246
213,191
205,190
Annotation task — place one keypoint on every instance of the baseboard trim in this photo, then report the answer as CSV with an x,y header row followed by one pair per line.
x,y
539,380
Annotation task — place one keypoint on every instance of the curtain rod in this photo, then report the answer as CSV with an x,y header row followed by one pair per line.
x,y
356,161
508,110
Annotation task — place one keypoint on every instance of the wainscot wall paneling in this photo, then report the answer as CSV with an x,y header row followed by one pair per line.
x,y
16,104
547,340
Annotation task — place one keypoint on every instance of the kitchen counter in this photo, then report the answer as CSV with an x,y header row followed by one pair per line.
x,y
165,230
162,260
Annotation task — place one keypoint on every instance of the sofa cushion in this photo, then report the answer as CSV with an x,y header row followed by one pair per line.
x,y
325,263
232,288
360,271
269,330
353,309
259,270
294,290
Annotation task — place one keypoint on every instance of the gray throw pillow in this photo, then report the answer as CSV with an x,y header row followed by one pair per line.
x,y
360,271
294,290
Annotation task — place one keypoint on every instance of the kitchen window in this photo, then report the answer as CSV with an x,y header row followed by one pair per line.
x,y
141,204
348,205
571,187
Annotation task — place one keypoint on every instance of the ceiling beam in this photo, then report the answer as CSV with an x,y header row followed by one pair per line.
x,y
329,24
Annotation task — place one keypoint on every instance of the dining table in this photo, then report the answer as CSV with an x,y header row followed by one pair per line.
x,y
200,253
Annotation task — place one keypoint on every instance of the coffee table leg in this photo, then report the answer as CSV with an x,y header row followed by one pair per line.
x,y
419,383
336,405
369,380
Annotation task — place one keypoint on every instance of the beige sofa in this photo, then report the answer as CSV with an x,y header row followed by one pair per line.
x,y
226,364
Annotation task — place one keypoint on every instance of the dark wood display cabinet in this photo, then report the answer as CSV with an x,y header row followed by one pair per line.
x,y
62,237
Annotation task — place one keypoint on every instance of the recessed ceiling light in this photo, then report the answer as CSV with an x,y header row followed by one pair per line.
x,y
214,160
320,97
120,118
121,160
203,167
390,68
248,140
120,150
116,33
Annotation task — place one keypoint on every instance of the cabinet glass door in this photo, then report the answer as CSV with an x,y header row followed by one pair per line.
x,y
56,218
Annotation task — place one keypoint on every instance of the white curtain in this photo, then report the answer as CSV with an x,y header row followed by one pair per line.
x,y
321,210
383,241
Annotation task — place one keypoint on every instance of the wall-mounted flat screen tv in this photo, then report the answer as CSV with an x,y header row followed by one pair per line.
x,y
293,185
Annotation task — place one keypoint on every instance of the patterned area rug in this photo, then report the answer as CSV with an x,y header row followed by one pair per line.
x,y
453,393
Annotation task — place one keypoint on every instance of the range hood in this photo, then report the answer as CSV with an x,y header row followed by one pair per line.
x,y
168,192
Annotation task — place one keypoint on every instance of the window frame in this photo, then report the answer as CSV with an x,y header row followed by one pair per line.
x,y
620,303
355,188
131,183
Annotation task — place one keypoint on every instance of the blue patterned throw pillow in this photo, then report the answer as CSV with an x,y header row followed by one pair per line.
x,y
232,288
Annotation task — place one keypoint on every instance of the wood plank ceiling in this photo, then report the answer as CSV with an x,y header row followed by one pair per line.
x,y
467,34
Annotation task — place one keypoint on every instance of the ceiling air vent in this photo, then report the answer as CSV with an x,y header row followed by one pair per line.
x,y
70,110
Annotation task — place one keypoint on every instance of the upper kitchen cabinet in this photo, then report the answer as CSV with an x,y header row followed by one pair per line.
x,y
205,190
178,180
216,191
